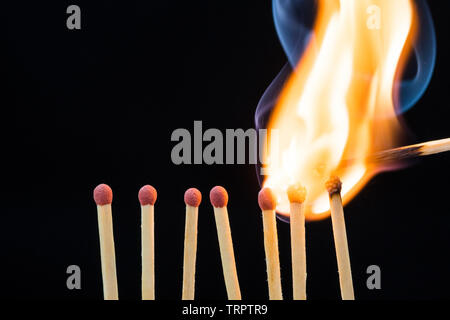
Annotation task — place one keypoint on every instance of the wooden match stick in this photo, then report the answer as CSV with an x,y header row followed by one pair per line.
x,y
147,197
192,198
103,198
297,195
404,153
267,203
219,199
333,186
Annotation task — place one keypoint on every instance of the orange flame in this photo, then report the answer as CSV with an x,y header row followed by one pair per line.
x,y
339,101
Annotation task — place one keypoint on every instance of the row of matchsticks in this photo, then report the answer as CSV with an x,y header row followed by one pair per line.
x,y
219,200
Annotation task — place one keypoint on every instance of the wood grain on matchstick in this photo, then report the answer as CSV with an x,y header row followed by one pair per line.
x,y
404,153
340,239
296,195
103,199
192,198
267,204
147,197
107,252
219,200
148,252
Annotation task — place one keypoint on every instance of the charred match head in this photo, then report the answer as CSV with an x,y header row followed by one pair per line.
x,y
192,197
296,193
218,197
103,195
266,199
147,195
333,185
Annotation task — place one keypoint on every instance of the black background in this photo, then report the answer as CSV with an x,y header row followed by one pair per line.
x,y
79,108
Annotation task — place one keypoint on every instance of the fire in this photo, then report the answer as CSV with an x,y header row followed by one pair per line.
x,y
339,103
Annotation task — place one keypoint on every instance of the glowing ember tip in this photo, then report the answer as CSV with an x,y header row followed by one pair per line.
x,y
296,193
218,197
333,185
147,195
266,199
103,194
192,197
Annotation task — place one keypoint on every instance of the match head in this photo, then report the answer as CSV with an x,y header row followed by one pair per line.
x,y
103,195
333,185
266,199
147,195
192,197
296,193
218,197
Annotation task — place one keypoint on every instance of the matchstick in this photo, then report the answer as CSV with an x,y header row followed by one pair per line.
x,y
333,186
404,153
192,198
103,198
267,203
297,195
219,199
147,197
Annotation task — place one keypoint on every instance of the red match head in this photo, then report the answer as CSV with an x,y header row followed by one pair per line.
x,y
218,197
266,199
103,194
192,197
147,195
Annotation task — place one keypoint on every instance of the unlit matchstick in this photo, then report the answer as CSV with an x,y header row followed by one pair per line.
x,y
103,198
267,203
219,200
334,186
297,195
147,197
192,198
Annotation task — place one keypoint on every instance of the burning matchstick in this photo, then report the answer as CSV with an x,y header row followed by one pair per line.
x,y
297,195
407,152
334,187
